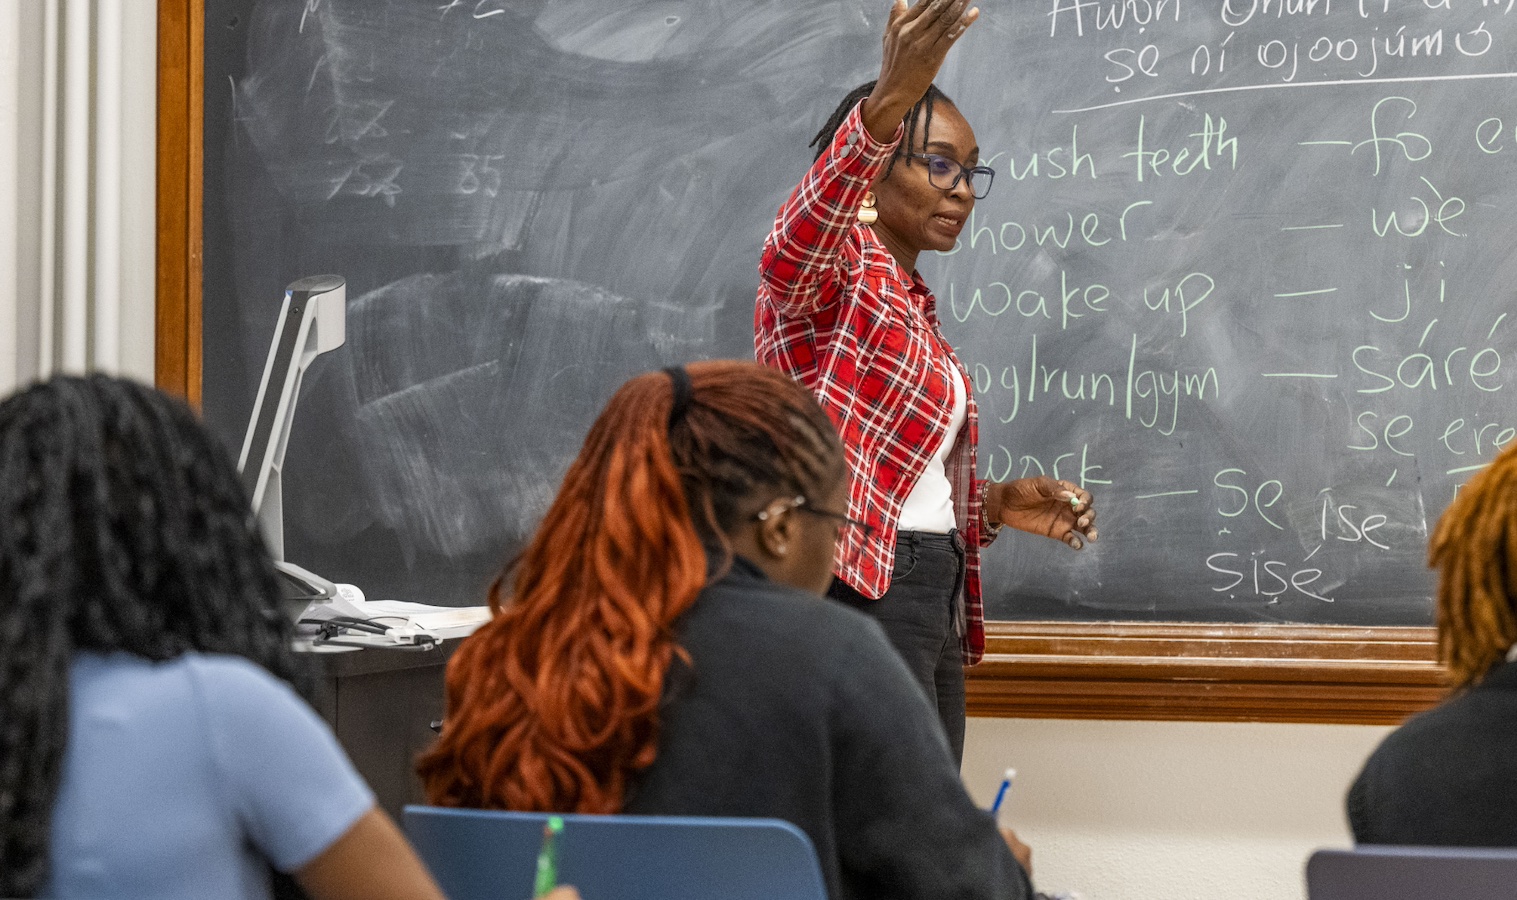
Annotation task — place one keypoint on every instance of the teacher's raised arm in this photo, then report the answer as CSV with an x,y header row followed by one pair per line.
x,y
842,309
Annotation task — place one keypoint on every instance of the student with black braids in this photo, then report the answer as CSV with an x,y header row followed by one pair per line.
x,y
1449,776
842,309
150,746
661,647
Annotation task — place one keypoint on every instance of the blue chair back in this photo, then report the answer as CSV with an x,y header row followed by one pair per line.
x,y
477,854
1377,872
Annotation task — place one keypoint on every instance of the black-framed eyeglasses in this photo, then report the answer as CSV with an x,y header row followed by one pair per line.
x,y
799,504
945,174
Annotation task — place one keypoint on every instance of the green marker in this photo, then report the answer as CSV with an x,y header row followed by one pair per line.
x,y
547,858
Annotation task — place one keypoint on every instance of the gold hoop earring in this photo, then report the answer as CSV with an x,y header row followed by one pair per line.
x,y
867,213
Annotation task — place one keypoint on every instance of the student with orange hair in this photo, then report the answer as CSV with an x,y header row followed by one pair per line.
x,y
661,647
1449,775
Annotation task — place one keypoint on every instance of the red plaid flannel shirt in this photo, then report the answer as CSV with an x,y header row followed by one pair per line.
x,y
837,313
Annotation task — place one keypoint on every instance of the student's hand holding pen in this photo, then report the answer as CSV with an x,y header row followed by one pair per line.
x,y
562,893
1021,851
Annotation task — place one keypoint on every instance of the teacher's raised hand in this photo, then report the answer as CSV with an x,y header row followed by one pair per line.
x,y
917,38
1046,506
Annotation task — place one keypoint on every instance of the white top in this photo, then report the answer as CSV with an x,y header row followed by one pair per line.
x,y
929,506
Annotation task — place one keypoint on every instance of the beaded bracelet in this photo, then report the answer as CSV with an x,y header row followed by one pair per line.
x,y
986,526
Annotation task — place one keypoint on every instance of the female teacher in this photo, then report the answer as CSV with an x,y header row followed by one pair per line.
x,y
842,309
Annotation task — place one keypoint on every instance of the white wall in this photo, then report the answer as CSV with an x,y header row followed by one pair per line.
x,y
1170,810
139,159
50,249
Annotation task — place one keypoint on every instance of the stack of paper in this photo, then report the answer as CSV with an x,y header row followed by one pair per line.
x,y
390,623
443,621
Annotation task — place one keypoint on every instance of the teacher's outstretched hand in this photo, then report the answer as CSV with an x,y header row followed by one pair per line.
x,y
1046,506
917,38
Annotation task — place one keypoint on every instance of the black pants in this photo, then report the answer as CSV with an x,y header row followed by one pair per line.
x,y
919,613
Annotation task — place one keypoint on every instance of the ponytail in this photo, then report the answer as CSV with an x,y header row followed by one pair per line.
x,y
918,120
553,705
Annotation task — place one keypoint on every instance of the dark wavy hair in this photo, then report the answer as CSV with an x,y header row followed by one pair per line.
x,y
917,120
554,704
123,527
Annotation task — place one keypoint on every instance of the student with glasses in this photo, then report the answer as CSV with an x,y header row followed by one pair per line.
x,y
842,309
661,647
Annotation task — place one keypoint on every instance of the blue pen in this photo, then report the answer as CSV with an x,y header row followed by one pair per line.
x,y
1001,794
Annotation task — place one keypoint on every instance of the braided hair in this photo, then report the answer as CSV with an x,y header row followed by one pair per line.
x,y
554,705
917,120
1475,550
124,529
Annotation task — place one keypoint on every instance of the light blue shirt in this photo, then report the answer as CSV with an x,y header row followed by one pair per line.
x,y
188,778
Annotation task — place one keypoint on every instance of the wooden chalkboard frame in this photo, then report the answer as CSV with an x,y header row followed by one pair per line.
x,y
181,74
1149,671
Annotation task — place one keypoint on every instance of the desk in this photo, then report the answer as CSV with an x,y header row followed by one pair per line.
x,y
381,704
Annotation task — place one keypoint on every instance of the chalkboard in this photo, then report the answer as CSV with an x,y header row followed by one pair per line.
x,y
1244,272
